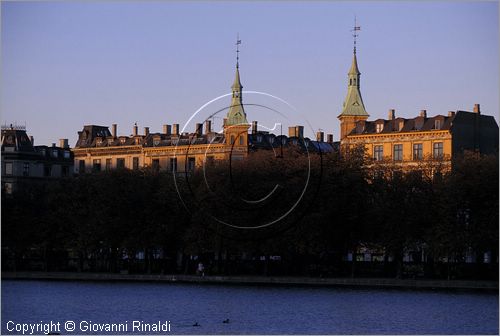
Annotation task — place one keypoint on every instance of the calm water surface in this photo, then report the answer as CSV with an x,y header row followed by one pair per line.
x,y
251,310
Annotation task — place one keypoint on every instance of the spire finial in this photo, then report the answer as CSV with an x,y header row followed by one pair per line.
x,y
238,42
354,35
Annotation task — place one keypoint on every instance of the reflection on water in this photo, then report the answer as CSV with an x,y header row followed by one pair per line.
x,y
251,310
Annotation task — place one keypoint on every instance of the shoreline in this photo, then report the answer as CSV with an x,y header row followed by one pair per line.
x,y
384,283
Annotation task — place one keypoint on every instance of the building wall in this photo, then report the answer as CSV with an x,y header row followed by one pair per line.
x,y
407,140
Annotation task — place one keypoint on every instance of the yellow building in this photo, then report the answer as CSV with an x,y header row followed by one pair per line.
x,y
98,149
409,141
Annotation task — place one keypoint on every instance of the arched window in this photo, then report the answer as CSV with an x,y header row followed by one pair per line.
x,y
350,81
241,140
232,139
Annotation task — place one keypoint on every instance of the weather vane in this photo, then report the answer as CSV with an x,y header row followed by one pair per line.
x,y
238,42
354,35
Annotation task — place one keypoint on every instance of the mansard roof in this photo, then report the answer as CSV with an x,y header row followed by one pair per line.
x,y
15,139
94,136
417,124
265,140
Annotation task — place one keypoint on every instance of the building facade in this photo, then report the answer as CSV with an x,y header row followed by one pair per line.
x,y
98,149
409,141
24,164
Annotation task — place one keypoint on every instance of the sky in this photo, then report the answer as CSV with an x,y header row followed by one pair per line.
x,y
69,64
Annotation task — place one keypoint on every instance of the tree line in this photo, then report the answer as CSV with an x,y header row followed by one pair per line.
x,y
295,214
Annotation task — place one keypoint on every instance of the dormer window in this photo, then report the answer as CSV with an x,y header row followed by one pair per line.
x,y
156,142
401,125
379,127
259,138
99,141
122,140
110,141
437,124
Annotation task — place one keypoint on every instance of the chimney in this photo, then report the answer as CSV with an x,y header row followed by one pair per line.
x,y
167,129
32,140
63,143
451,113
392,114
320,136
175,129
208,126
299,130
477,109
146,131
135,129
224,122
113,130
254,126
199,129
53,144
292,131
329,138
423,113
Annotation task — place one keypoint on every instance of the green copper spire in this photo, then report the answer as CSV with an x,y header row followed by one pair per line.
x,y
353,103
236,114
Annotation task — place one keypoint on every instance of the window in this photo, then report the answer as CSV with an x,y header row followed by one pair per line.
x,y
259,138
96,165
398,152
108,164
173,165
81,166
120,163
8,168
378,153
8,188
135,163
54,153
26,169
191,164
418,152
47,171
156,142
437,124
232,139
66,154
156,164
438,150
379,127
241,140
401,124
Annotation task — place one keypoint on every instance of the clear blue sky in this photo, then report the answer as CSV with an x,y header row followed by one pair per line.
x,y
66,64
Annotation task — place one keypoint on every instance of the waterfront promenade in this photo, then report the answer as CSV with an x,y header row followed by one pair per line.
x,y
261,280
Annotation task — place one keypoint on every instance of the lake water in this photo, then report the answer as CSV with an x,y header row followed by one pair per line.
x,y
250,309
